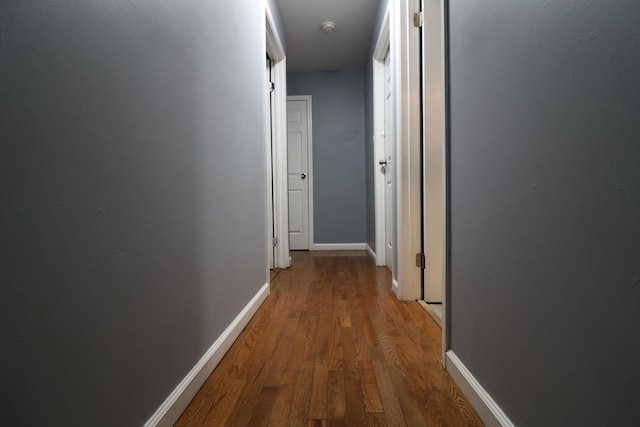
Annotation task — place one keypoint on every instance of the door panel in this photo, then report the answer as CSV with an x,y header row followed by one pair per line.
x,y
388,167
295,207
298,168
434,149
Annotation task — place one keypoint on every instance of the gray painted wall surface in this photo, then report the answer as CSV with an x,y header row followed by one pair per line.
x,y
545,207
339,189
369,164
132,227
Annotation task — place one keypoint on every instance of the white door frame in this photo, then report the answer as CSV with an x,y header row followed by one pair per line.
x,y
404,44
379,53
405,40
435,157
434,148
268,106
308,98
278,157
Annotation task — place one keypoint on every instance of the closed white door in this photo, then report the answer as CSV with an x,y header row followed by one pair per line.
x,y
298,168
387,164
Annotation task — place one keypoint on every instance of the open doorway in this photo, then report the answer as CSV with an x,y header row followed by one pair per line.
x,y
277,219
384,144
433,156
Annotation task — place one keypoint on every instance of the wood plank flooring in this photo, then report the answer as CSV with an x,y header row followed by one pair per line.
x,y
332,346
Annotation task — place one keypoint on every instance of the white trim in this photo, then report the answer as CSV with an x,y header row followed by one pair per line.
x,y
371,253
308,99
434,150
405,40
269,156
378,153
274,44
281,191
446,344
383,40
275,49
379,53
395,287
169,412
488,410
338,247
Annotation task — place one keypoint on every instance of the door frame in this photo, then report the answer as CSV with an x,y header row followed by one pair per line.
x,y
277,154
380,50
435,101
405,40
308,100
269,163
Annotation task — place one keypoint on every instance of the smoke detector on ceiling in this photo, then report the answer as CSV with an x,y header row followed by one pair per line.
x,y
328,27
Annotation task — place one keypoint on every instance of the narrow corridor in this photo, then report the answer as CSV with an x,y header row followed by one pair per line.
x,y
333,346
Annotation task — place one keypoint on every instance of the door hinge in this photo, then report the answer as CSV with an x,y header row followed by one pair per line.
x,y
274,241
271,86
421,261
418,18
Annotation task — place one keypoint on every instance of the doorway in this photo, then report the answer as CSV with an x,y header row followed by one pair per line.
x,y
433,160
277,227
386,163
271,229
384,147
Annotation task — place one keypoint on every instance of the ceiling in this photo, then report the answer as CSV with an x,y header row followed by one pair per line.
x,y
310,49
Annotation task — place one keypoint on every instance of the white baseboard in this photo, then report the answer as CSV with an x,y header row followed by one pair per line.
x,y
169,412
338,246
487,409
371,252
395,287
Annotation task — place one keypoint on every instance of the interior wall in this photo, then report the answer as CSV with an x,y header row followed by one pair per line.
x,y
545,207
133,229
339,181
370,161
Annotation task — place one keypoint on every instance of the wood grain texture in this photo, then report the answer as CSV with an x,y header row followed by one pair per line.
x,y
332,346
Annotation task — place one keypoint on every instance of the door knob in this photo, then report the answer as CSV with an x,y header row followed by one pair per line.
x,y
303,175
382,163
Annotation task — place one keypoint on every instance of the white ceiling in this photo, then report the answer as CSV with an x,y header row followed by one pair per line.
x,y
310,49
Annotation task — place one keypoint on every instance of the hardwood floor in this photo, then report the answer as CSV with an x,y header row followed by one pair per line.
x,y
333,346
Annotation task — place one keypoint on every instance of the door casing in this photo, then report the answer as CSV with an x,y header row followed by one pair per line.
x,y
381,50
307,99
277,154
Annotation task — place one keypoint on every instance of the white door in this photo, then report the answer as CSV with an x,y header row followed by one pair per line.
x,y
298,168
387,164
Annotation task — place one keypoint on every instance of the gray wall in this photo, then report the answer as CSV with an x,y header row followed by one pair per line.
x,y
545,207
132,228
369,164
339,189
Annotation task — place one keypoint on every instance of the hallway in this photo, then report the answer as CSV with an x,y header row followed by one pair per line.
x,y
333,346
